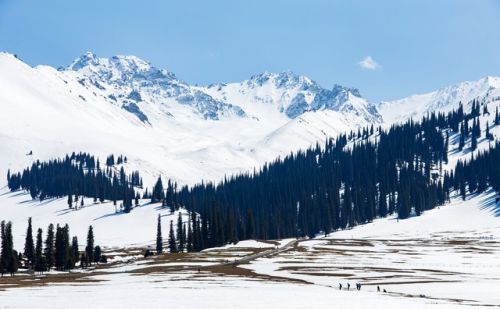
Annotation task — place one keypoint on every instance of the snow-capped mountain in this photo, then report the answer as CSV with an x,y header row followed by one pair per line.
x,y
164,125
124,105
293,95
130,81
445,99
133,83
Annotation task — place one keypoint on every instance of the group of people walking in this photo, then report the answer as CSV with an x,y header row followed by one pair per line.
x,y
358,286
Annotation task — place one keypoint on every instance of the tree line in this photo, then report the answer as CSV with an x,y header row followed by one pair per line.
x,y
77,176
350,180
58,251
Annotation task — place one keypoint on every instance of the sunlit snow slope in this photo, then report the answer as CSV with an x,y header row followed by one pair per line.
x,y
124,105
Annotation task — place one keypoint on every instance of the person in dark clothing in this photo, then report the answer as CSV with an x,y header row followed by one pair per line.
x,y
378,288
348,286
340,286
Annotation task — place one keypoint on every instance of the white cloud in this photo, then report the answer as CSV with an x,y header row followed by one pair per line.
x,y
368,63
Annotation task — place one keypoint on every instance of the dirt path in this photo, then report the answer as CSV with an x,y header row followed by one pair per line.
x,y
267,253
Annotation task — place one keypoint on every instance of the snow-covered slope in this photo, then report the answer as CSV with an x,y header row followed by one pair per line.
x,y
445,99
124,105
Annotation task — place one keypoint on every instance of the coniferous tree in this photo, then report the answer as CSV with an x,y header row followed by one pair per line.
x,y
74,177
473,142
461,142
488,135
97,254
180,234
157,194
29,246
83,261
9,255
89,249
75,250
4,252
159,238
49,247
70,201
63,259
172,244
445,151
40,260
189,239
485,109
137,197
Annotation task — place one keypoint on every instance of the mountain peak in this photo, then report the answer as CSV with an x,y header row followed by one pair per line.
x,y
119,67
342,90
130,62
88,58
492,81
286,79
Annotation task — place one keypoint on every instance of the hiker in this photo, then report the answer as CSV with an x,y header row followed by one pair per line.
x,y
348,286
358,286
378,288
340,286
199,270
385,291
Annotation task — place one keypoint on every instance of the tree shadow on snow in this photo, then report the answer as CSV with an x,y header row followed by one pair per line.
x,y
112,214
490,204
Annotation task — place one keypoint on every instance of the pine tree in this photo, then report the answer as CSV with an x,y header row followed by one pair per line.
x,y
159,238
70,201
172,244
49,247
97,254
485,109
9,255
83,261
181,241
63,259
89,250
189,240
137,197
473,142
4,253
40,260
74,249
29,247
157,194
445,151
461,142
488,135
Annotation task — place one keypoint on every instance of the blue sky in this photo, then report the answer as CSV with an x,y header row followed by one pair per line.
x,y
405,47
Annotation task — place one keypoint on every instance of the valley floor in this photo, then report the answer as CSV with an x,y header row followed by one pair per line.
x,y
446,258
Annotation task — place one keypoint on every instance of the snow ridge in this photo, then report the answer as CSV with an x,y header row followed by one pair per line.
x,y
445,99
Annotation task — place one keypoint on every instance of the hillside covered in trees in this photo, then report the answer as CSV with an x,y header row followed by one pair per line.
x,y
347,181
